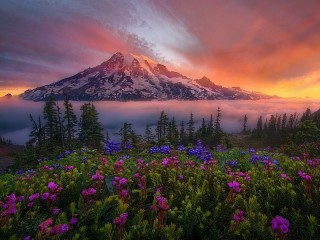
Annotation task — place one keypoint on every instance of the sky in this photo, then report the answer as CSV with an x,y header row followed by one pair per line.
x,y
268,46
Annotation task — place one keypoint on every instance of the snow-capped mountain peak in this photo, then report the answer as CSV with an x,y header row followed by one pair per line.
x,y
130,76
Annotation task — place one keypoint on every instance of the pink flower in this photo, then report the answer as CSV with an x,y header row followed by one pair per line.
x,y
202,168
44,225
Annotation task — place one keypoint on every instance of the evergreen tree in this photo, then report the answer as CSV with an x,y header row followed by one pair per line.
x,y
90,133
190,129
210,127
306,115
148,135
70,120
218,132
182,134
126,133
162,127
173,133
278,123
284,122
259,127
245,121
37,134
52,131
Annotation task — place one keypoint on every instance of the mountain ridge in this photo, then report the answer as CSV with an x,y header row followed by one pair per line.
x,y
128,77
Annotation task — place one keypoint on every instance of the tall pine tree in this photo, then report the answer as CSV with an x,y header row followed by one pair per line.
x,y
90,133
70,120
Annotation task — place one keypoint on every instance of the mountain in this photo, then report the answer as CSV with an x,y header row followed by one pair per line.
x,y
126,77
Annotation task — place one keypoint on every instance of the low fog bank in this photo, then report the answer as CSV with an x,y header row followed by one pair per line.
x,y
15,123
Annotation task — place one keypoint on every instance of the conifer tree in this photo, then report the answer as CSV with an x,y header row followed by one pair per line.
x,y
218,132
51,125
148,135
245,122
37,134
259,127
70,120
90,133
190,129
284,122
182,134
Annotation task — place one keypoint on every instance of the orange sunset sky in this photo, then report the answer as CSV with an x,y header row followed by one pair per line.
x,y
268,46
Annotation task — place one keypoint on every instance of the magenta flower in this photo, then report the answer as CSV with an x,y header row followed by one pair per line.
x,y
202,168
304,176
124,193
34,197
234,185
44,225
123,181
239,216
181,177
280,224
53,187
97,176
283,175
162,203
20,199
27,238
121,220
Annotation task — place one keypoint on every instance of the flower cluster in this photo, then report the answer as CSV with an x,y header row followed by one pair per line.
x,y
163,149
111,147
45,225
59,229
32,199
9,205
121,220
97,176
200,152
119,184
304,176
239,216
118,166
232,163
170,162
280,225
235,186
162,204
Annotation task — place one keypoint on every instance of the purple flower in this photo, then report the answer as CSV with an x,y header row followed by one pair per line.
x,y
63,228
283,175
162,203
123,181
73,221
33,197
55,211
27,238
181,177
239,216
280,224
45,195
235,186
91,191
202,168
52,186
124,193
304,176
53,197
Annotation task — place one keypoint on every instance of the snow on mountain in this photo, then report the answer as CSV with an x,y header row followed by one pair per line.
x,y
126,77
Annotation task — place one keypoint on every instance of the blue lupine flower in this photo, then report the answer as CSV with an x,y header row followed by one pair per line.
x,y
181,148
111,147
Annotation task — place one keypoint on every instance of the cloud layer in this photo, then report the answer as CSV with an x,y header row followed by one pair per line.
x,y
270,46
